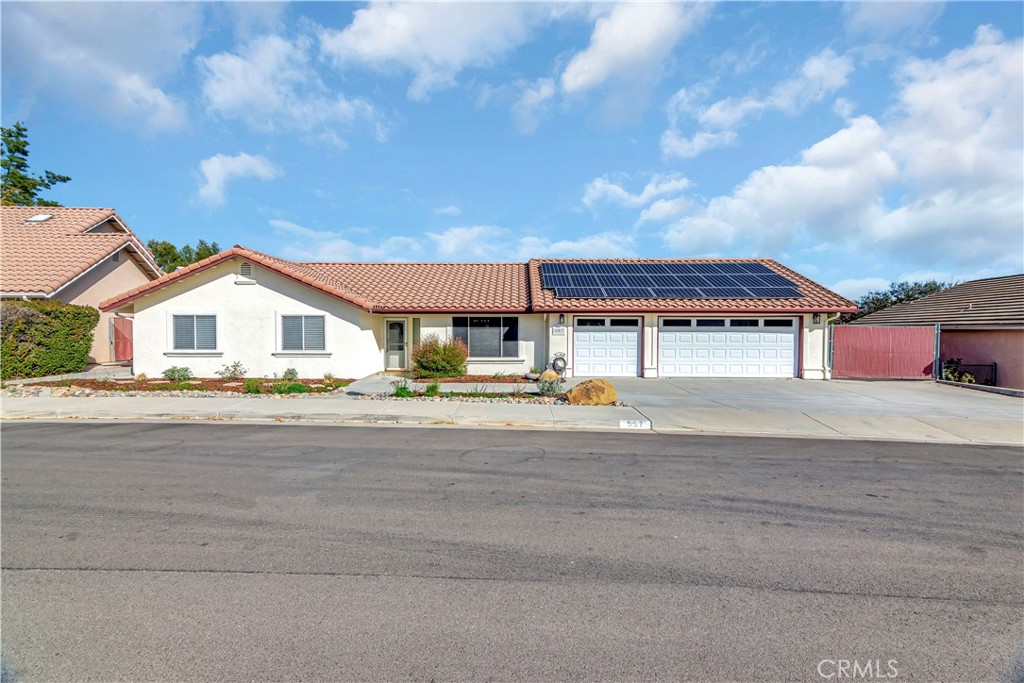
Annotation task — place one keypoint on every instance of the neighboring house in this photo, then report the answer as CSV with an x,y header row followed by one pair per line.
x,y
354,319
75,255
981,321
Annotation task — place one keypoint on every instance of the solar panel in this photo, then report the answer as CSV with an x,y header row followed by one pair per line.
x,y
667,280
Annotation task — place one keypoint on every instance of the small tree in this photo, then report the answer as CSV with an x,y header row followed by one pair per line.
x,y
170,257
898,293
435,358
18,186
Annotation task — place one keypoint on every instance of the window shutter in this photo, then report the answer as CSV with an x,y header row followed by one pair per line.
x,y
184,332
314,332
485,337
291,332
206,332
510,337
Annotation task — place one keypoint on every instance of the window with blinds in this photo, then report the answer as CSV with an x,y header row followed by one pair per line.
x,y
488,337
302,333
195,333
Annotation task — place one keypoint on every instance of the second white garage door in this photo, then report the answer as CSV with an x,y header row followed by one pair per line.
x,y
606,347
727,347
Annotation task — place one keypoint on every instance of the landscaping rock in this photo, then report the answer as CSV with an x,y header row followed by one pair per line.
x,y
547,376
593,392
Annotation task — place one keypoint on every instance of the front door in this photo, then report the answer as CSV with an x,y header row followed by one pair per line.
x,y
394,354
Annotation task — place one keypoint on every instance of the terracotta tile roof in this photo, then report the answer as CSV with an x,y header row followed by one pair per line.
x,y
815,297
383,287
482,287
41,257
993,301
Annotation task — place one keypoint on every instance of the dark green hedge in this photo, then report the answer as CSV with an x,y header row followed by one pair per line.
x,y
41,338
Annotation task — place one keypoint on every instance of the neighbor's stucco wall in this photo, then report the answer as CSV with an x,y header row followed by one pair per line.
x,y
1005,348
105,280
531,342
248,326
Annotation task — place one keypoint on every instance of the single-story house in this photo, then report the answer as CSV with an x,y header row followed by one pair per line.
x,y
77,256
980,322
607,317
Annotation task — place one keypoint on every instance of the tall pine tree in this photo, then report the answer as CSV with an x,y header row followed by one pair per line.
x,y
19,186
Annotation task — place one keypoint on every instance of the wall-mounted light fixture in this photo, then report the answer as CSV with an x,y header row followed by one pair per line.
x,y
817,318
561,318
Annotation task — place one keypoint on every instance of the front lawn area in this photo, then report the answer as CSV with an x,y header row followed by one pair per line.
x,y
266,386
474,379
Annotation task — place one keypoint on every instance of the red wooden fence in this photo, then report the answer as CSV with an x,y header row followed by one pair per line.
x,y
122,339
883,352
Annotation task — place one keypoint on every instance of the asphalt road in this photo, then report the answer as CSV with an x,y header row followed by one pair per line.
x,y
153,551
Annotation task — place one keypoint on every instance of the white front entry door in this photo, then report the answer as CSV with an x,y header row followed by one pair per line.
x,y
606,347
394,354
727,347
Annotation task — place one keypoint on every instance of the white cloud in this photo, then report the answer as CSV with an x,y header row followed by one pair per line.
x,y
855,288
113,58
603,190
675,146
220,169
450,210
328,245
888,19
631,42
435,41
471,243
601,245
532,104
951,151
270,84
664,210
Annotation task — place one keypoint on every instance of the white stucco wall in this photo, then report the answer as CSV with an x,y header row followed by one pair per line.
x,y
531,342
815,349
248,327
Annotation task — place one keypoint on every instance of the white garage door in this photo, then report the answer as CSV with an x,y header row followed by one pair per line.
x,y
727,347
606,347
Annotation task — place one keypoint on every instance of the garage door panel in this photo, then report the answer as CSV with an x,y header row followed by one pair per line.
x,y
751,352
607,353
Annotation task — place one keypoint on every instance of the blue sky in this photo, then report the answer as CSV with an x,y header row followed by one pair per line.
x,y
859,143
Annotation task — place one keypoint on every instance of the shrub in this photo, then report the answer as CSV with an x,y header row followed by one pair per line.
x,y
534,370
400,389
177,374
549,387
253,386
328,377
291,374
288,388
234,371
41,338
433,389
435,358
141,377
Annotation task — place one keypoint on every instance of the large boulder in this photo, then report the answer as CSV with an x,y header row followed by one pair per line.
x,y
547,376
592,392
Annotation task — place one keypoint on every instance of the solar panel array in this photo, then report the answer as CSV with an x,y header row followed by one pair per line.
x,y
666,281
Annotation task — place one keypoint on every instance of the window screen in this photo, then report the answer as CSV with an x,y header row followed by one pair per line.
x,y
488,336
195,332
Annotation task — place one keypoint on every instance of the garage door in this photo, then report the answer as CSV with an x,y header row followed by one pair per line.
x,y
727,347
606,347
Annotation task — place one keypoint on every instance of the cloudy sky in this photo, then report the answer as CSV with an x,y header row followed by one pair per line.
x,y
858,143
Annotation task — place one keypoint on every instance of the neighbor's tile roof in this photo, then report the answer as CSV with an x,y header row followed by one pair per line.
x,y
40,258
482,287
383,287
993,301
815,297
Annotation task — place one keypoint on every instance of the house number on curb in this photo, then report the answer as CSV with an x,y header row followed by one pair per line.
x,y
634,424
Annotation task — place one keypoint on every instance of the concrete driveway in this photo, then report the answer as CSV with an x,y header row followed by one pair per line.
x,y
917,410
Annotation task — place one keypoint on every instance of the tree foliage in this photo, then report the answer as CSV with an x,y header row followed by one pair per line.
x,y
170,257
898,293
44,337
19,187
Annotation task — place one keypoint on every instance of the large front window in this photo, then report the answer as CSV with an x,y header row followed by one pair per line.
x,y
302,333
195,333
488,336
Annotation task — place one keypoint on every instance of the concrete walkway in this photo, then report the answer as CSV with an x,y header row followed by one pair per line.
x,y
890,411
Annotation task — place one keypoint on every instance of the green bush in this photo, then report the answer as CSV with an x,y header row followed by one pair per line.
x,y
549,387
291,374
288,388
400,389
435,358
178,374
433,389
234,371
41,338
253,386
